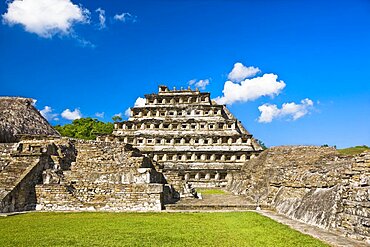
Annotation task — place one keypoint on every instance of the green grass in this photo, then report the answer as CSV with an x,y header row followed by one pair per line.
x,y
211,191
148,229
353,150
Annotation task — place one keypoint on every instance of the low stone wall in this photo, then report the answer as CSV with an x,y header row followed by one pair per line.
x,y
123,197
311,184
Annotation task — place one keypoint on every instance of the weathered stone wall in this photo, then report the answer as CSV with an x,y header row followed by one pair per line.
x,y
17,183
65,174
311,184
105,176
22,196
18,117
354,213
23,165
5,151
115,197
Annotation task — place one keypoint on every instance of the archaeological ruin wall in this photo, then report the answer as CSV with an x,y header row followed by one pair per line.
x,y
18,117
106,177
314,185
39,170
66,174
22,166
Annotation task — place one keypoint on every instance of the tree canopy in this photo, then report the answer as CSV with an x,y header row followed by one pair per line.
x,y
263,146
85,128
116,118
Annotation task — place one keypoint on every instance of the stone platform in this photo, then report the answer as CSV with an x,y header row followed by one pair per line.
x,y
213,202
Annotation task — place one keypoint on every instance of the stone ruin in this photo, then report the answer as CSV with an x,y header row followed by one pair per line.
x,y
104,176
195,140
39,170
179,140
19,117
311,184
66,174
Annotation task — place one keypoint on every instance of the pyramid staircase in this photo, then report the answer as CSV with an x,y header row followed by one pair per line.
x,y
17,180
105,176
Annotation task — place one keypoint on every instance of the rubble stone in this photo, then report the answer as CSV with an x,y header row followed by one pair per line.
x,y
18,116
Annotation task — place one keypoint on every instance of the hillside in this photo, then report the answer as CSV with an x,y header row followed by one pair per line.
x,y
353,150
85,128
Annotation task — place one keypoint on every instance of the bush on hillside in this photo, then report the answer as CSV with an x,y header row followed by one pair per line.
x,y
85,128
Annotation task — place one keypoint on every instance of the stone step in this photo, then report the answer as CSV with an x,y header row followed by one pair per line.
x,y
213,202
10,175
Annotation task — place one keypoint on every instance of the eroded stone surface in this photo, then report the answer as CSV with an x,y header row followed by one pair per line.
x,y
65,174
19,117
195,140
311,184
330,237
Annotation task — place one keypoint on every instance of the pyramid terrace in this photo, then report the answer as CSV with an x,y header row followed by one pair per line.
x,y
193,139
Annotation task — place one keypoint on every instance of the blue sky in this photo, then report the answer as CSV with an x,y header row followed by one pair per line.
x,y
319,50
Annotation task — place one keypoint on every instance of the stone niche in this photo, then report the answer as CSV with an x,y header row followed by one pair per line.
x,y
195,140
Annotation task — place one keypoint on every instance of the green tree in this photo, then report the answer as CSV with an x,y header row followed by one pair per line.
x,y
116,118
263,146
85,128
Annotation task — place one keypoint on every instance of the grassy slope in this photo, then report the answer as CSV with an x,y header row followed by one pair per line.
x,y
148,229
353,150
211,191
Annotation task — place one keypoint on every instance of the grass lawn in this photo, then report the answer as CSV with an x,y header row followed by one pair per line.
x,y
353,150
211,191
148,229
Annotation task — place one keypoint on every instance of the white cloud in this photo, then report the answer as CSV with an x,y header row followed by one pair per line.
x,y
71,115
201,84
250,89
124,17
45,17
47,113
81,41
139,102
128,112
240,72
291,110
101,18
34,101
99,114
